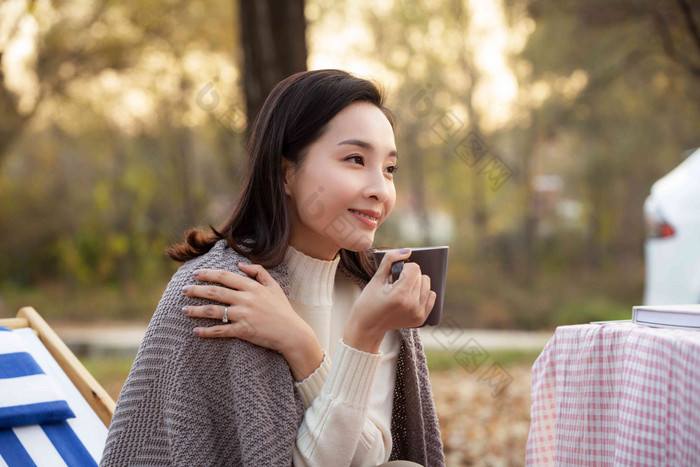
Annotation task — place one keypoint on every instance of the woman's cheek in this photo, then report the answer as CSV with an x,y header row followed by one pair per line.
x,y
313,206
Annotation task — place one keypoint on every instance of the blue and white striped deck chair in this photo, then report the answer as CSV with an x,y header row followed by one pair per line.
x,y
52,411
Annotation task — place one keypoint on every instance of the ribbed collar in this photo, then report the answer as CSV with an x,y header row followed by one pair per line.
x,y
311,280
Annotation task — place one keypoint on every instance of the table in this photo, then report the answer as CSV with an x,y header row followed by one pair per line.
x,y
616,394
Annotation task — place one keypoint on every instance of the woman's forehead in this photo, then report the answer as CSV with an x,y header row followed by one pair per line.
x,y
363,122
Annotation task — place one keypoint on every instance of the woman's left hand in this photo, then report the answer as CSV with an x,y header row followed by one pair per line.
x,y
258,310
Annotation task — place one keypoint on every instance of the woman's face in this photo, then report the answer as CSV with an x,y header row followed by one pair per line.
x,y
348,168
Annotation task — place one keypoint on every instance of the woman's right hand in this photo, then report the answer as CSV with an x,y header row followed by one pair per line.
x,y
383,306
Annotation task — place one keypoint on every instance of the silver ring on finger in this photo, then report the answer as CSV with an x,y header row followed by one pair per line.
x,y
225,318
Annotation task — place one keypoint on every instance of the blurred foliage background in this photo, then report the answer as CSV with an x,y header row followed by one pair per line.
x,y
530,132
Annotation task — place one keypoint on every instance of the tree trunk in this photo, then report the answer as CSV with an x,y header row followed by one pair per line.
x,y
531,215
273,35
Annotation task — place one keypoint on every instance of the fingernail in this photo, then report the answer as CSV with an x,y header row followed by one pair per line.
x,y
404,250
195,331
196,273
184,289
184,309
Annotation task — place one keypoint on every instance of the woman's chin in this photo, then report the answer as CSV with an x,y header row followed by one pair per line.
x,y
361,244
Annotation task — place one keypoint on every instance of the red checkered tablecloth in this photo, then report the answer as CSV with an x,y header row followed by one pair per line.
x,y
616,394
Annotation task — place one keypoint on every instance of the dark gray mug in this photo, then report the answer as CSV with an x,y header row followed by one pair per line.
x,y
433,262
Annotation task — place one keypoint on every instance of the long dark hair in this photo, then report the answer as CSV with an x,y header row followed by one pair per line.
x,y
294,115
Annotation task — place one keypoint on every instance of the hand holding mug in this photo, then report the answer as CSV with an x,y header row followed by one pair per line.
x,y
385,305
433,263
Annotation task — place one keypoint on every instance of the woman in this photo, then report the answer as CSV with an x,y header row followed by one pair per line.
x,y
315,359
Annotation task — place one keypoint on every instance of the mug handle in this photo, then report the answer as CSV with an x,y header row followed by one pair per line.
x,y
396,269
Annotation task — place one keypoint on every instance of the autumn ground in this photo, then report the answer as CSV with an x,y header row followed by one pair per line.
x,y
477,427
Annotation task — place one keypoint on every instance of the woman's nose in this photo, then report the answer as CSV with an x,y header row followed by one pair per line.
x,y
377,185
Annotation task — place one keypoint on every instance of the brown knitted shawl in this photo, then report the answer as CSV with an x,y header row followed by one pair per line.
x,y
193,401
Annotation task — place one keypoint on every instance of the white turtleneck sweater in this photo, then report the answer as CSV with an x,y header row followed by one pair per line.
x,y
349,397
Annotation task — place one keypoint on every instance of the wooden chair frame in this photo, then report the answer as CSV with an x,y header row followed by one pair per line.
x,y
89,388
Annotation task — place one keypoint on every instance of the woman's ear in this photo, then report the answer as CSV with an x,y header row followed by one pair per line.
x,y
286,175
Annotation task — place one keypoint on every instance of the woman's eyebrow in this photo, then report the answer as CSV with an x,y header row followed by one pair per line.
x,y
367,146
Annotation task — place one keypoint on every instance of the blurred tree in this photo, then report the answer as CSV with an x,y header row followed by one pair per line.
x,y
679,30
48,51
116,139
608,85
675,22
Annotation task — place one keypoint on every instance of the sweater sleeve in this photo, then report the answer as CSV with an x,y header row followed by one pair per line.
x,y
348,407
311,386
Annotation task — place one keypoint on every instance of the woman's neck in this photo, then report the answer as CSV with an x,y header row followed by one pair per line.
x,y
318,252
311,280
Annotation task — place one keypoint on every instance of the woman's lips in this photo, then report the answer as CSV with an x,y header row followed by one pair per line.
x,y
368,222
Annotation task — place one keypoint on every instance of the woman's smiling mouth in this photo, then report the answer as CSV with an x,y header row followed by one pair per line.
x,y
368,220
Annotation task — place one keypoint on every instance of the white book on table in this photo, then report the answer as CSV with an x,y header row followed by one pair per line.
x,y
675,316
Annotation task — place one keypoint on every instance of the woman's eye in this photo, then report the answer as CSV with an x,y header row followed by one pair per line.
x,y
393,168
